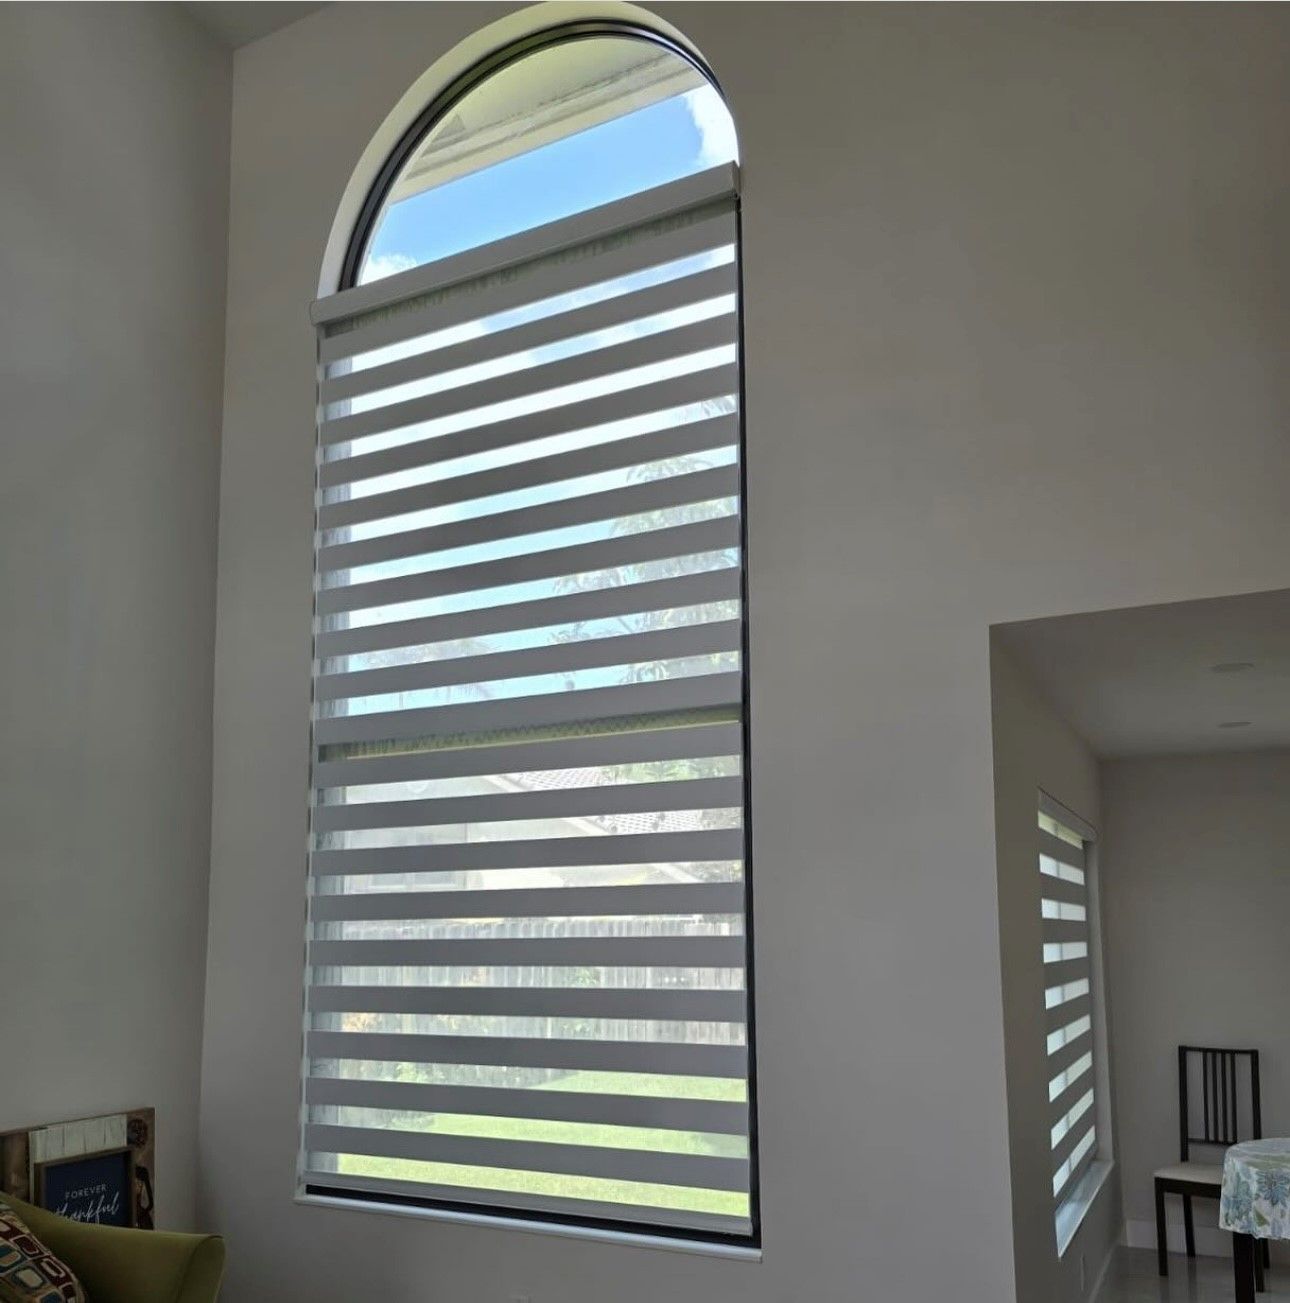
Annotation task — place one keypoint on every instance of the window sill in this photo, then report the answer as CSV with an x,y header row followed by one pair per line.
x,y
1074,1207
704,1248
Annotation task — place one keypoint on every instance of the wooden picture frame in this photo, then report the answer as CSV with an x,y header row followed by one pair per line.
x,y
22,1152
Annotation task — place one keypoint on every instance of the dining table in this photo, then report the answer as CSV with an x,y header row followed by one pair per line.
x,y
1255,1204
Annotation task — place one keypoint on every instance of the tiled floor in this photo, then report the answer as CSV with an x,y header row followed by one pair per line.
x,y
1132,1278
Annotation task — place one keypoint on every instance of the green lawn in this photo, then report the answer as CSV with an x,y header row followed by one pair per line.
x,y
578,1187
622,1083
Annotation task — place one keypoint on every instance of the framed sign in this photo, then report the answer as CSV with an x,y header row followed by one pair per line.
x,y
28,1159
95,1188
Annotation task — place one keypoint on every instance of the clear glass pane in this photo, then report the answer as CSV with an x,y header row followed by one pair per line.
x,y
564,129
435,449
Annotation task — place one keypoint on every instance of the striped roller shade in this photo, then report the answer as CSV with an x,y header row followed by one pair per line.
x,y
527,949
1068,995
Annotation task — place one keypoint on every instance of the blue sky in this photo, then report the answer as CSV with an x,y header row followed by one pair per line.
x,y
670,139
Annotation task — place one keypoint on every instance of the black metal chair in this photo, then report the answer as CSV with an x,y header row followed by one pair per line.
x,y
1221,1122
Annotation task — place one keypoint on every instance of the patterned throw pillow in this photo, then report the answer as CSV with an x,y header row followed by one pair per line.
x,y
29,1273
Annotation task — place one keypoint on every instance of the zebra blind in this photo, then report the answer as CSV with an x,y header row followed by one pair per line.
x,y
526,947
1068,997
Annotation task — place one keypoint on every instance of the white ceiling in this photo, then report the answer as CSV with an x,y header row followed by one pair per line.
x,y
1142,681
238,22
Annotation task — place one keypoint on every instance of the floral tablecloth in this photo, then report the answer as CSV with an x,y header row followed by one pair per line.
x,y
1256,1189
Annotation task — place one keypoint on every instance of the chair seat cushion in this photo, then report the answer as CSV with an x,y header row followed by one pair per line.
x,y
29,1272
1196,1173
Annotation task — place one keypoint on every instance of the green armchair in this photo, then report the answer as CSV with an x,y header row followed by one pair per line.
x,y
118,1265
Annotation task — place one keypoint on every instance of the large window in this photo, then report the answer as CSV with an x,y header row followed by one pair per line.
x,y
528,955
1070,999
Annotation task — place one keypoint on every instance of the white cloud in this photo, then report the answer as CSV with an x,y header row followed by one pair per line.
x,y
717,140
380,265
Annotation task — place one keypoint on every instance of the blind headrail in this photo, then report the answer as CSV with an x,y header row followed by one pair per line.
x,y
568,232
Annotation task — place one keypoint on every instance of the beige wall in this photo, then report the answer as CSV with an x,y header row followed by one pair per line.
x,y
1197,898
1035,750
113,203
1015,311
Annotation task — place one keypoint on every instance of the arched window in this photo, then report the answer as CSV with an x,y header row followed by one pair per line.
x,y
528,954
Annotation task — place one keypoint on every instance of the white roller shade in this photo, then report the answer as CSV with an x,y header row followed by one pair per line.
x,y
1068,995
527,951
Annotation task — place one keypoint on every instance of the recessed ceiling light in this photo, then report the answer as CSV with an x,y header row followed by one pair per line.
x,y
1231,667
1235,723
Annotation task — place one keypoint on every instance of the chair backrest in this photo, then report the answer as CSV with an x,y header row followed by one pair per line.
x,y
1221,1116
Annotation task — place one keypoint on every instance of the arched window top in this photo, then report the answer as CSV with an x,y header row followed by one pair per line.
x,y
577,120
